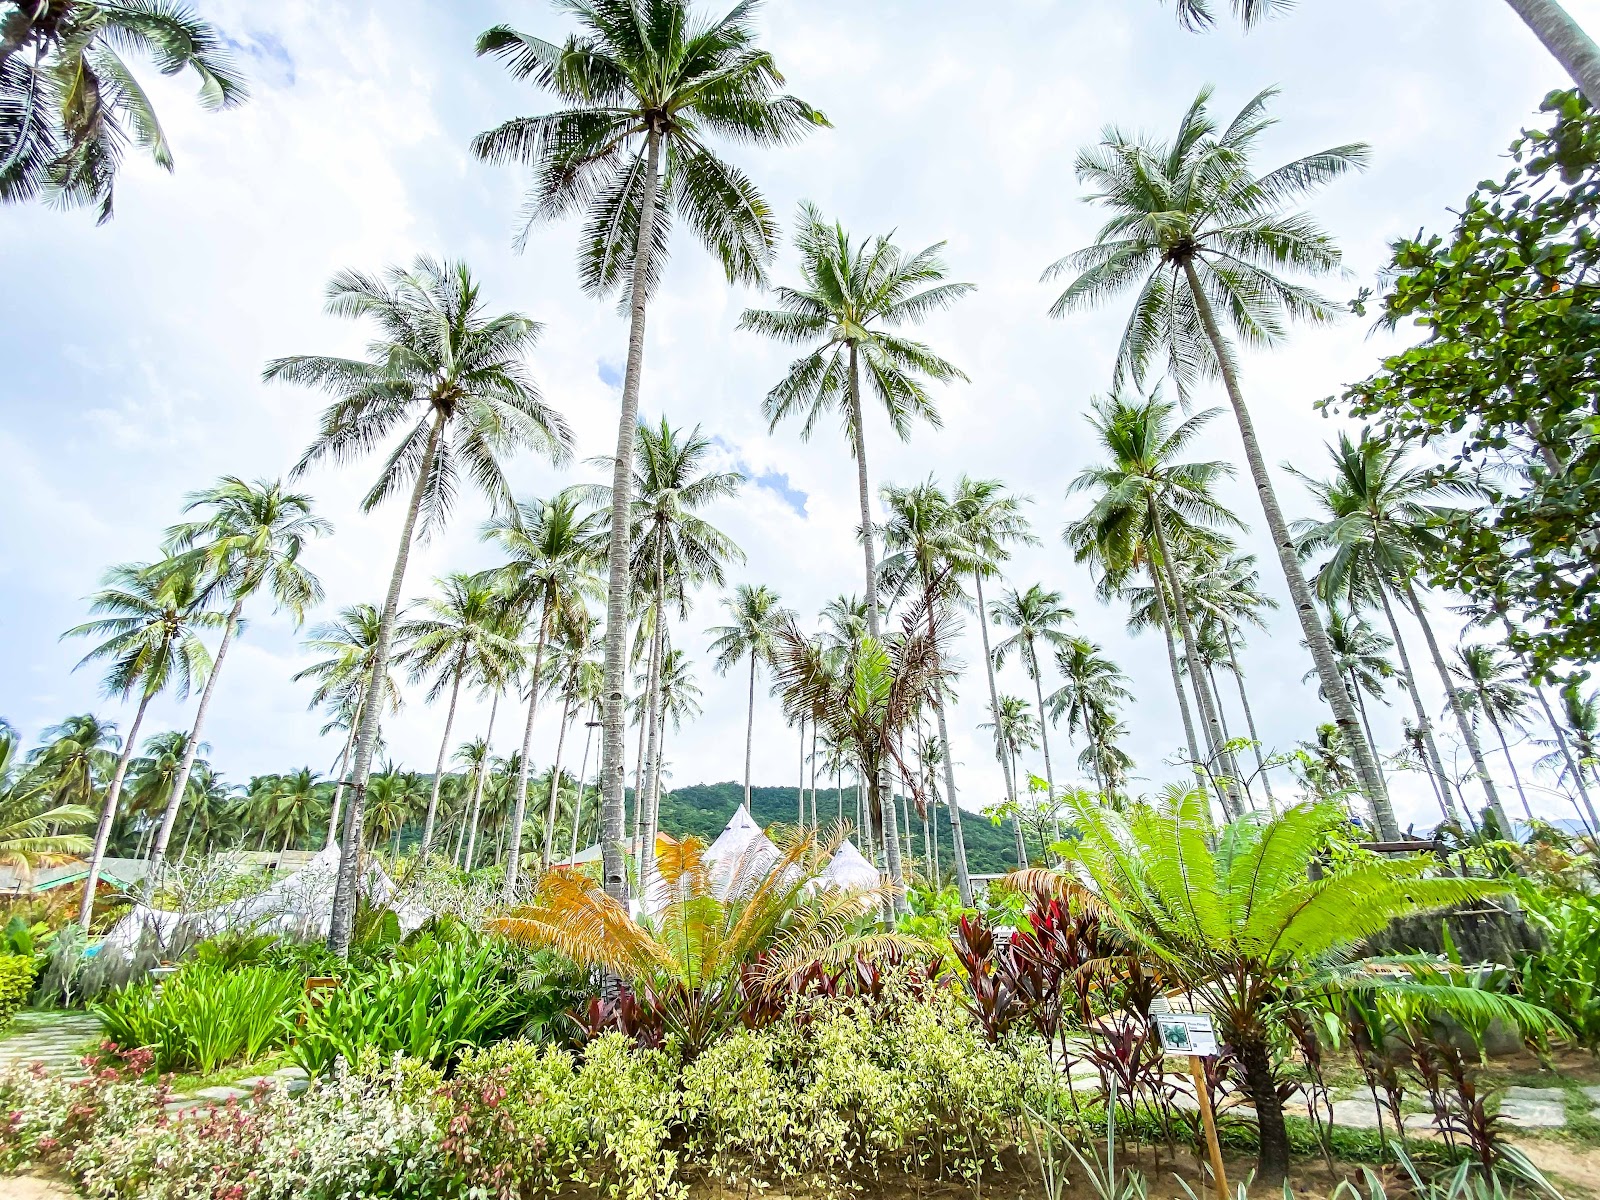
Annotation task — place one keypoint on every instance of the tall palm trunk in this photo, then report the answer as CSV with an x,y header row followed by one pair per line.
x,y
1505,749
108,814
519,802
1164,614
891,833
1566,41
611,748
477,785
1344,709
438,769
749,729
647,843
1249,717
813,777
342,922
800,817
1361,707
338,785
1468,734
1424,722
1217,757
583,777
1573,767
158,850
958,845
555,784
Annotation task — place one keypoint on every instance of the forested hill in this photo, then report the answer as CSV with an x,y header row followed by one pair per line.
x,y
703,809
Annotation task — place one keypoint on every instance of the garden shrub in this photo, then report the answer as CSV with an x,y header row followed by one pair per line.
x,y
50,1121
846,1088
16,982
526,1119
204,1017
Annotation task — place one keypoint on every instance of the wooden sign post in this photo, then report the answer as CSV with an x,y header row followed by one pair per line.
x,y
1192,1034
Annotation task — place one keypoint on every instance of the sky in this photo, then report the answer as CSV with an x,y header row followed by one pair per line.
x,y
133,351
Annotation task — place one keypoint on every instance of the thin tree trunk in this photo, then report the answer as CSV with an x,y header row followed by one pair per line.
x,y
342,922
158,851
477,785
1505,749
338,785
1566,41
1165,616
1344,713
891,835
519,801
1044,732
1573,767
1468,734
647,843
813,777
438,770
1016,824
611,748
183,851
801,816
1218,757
749,729
583,780
108,814
958,842
1424,722
1361,707
1249,717
555,785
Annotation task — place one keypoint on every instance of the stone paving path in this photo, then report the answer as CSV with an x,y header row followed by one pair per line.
x,y
57,1039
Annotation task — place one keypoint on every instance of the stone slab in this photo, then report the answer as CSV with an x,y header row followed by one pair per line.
x,y
223,1094
1534,1108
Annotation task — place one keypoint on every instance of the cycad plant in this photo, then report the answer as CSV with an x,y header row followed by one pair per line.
x,y
648,85
70,105
245,539
714,935
1251,919
150,620
452,382
1202,238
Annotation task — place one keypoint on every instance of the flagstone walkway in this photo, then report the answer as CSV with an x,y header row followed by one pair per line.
x,y
57,1039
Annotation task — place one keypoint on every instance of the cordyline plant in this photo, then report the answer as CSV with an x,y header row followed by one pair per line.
x,y
1238,917
714,932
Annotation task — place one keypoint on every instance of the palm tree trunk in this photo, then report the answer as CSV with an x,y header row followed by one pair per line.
x,y
583,777
555,784
1218,757
158,851
108,813
800,818
1044,732
1344,709
477,785
1468,734
615,874
1424,723
1366,721
1566,41
958,844
647,843
338,786
342,922
1572,764
813,777
519,805
438,770
1505,749
1016,823
1249,717
183,851
1165,616
749,729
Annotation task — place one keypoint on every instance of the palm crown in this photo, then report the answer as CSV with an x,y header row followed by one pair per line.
x,y
151,621
1190,215
70,104
647,78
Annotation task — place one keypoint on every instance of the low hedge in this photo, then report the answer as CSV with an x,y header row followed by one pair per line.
x,y
16,984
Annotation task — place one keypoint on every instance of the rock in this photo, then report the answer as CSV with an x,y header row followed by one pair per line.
x,y
1534,1108
221,1095
1361,1114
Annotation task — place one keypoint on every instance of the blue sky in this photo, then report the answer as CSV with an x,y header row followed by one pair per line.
x,y
133,351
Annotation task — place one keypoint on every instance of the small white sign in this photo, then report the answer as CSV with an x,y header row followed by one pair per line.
x,y
1186,1033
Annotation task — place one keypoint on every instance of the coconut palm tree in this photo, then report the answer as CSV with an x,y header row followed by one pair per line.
x,y
1149,504
1562,36
150,621
1015,729
1226,588
1377,525
1037,615
475,757
989,521
647,84
69,103
1202,237
151,776
1493,688
461,628
679,701
32,818
351,642
295,806
1092,687
568,655
671,544
74,759
1362,654
247,539
852,297
550,548
452,382
755,614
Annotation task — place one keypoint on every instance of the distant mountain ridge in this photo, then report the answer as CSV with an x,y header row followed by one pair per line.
x,y
703,809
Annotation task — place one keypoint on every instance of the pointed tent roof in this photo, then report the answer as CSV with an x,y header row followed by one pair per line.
x,y
741,852
848,868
